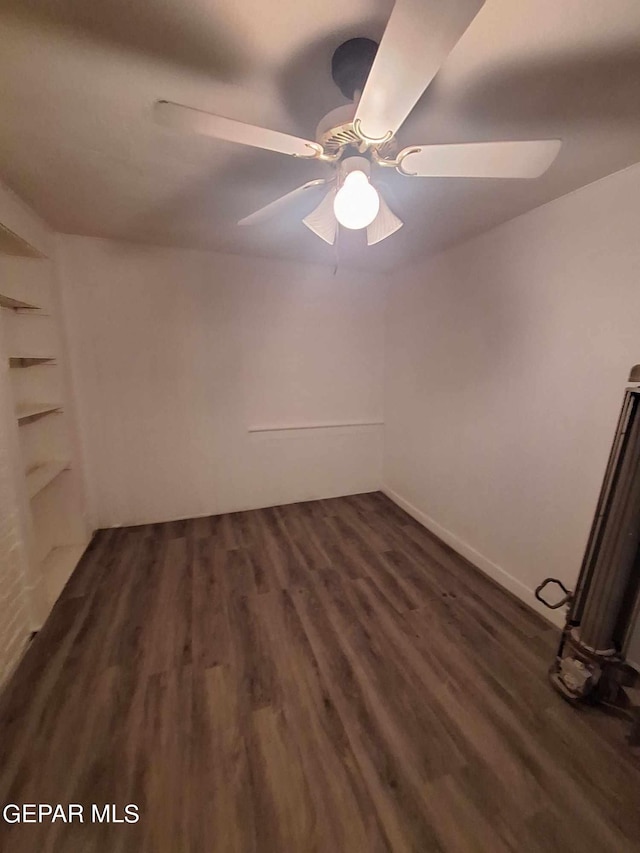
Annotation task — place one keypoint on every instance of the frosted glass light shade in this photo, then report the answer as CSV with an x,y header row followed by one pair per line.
x,y
356,203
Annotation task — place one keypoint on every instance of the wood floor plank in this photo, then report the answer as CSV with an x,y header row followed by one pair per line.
x,y
338,789
210,635
396,800
285,816
221,806
325,676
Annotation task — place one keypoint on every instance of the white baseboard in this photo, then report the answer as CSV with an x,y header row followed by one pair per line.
x,y
326,496
493,570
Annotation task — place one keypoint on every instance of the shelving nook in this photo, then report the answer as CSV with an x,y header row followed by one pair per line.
x,y
46,464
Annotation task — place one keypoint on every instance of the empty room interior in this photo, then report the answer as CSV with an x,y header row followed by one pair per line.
x,y
319,426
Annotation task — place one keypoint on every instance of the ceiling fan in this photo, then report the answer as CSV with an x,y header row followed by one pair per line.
x,y
384,82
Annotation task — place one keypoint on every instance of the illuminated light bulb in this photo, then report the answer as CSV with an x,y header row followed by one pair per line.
x,y
356,203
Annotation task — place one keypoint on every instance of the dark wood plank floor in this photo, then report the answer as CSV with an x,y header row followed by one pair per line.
x,y
324,676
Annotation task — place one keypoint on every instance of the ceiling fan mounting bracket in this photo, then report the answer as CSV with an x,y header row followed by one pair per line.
x,y
395,162
370,140
318,153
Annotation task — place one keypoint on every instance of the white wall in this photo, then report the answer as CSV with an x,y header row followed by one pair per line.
x,y
506,363
177,354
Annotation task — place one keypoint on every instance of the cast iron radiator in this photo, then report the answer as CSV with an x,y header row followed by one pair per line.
x,y
590,664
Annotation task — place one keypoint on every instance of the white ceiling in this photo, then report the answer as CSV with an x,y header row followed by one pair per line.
x,y
78,142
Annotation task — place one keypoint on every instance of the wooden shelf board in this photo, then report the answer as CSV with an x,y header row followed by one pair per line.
x,y
57,567
12,244
30,411
16,304
40,476
30,360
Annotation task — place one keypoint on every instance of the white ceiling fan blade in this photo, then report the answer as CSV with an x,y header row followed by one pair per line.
x,y
322,221
274,207
384,225
198,121
480,159
418,38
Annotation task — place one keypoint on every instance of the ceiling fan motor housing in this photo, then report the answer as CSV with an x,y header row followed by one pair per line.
x,y
336,133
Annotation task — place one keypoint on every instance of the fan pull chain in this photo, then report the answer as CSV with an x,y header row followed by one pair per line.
x,y
336,248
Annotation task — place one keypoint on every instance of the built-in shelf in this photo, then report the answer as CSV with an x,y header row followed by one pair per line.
x,y
40,476
50,510
296,427
30,360
12,244
57,567
31,411
16,304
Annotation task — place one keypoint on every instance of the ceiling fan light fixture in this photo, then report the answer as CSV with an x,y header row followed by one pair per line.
x,y
384,83
357,203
